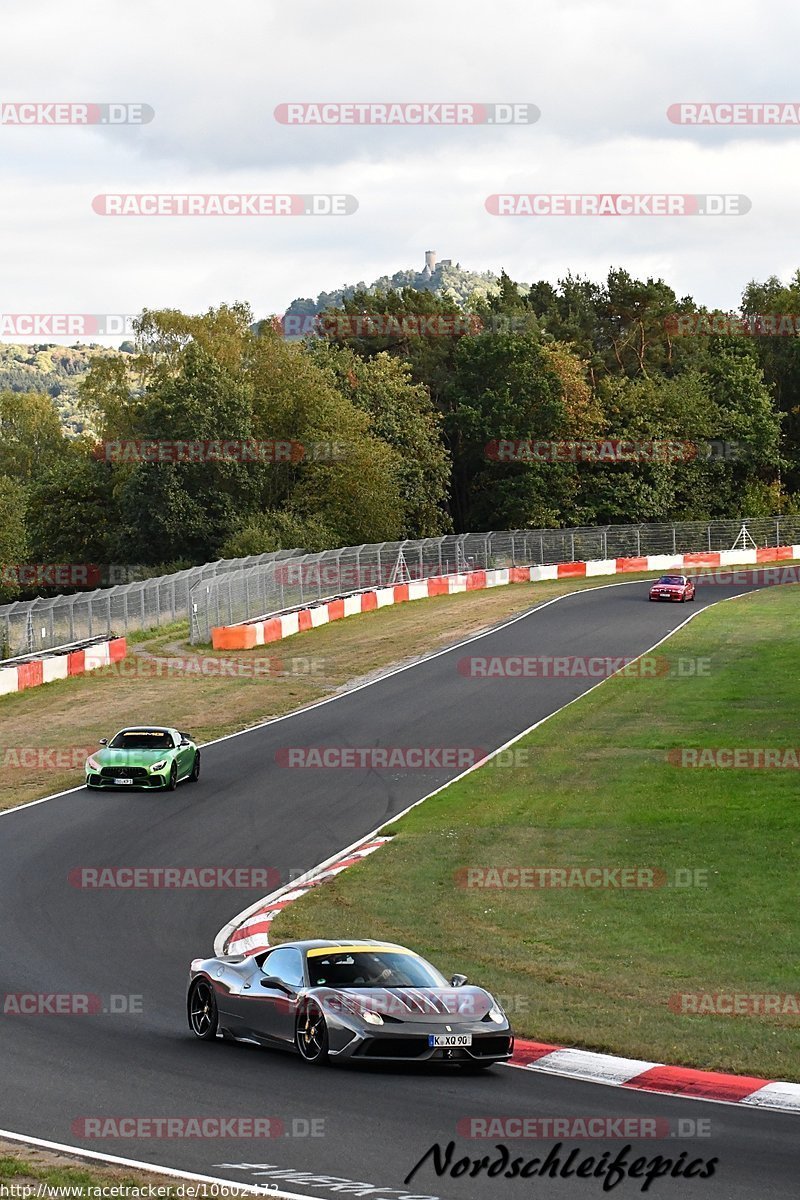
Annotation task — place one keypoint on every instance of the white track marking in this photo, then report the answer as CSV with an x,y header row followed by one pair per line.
x,y
114,1161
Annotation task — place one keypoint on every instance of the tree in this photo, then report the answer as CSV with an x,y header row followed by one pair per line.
x,y
72,512
212,379
419,327
402,415
30,434
13,539
776,344
509,387
278,529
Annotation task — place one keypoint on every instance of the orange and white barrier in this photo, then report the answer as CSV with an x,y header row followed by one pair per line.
x,y
61,666
274,629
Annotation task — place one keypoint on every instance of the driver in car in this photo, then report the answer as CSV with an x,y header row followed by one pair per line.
x,y
376,975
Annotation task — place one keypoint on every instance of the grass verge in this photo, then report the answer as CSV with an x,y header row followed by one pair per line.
x,y
604,968
48,731
26,1173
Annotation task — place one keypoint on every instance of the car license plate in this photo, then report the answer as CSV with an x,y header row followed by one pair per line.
x,y
449,1039
123,781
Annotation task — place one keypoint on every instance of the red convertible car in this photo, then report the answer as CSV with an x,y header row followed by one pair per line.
x,y
673,587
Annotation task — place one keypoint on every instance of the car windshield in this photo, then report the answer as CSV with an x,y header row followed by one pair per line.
x,y
378,968
671,579
142,739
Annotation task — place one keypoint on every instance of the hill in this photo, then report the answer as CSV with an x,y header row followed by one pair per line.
x,y
54,370
444,278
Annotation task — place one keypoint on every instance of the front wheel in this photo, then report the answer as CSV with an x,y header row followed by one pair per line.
x,y
311,1035
195,775
172,782
202,1011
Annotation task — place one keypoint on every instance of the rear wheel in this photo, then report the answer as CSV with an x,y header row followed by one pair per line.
x,y
311,1035
202,1010
195,775
172,782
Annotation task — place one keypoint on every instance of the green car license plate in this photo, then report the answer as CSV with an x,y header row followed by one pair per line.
x,y
123,781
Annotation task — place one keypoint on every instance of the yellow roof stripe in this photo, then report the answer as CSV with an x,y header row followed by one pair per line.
x,y
320,951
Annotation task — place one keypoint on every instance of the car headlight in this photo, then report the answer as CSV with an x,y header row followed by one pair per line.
x,y
497,1015
159,766
91,762
372,1018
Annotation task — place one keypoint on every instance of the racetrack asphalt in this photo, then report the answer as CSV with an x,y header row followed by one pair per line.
x,y
246,811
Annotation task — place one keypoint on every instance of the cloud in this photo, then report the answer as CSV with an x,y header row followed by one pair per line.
x,y
602,74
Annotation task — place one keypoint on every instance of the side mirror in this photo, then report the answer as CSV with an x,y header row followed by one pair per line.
x,y
458,981
271,982
185,741
103,741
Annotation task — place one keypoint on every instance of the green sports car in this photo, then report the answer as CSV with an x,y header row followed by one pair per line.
x,y
145,756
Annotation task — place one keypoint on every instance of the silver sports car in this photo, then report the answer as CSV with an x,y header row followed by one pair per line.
x,y
347,1000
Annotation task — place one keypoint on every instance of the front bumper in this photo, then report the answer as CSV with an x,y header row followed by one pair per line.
x,y
386,1044
148,781
667,596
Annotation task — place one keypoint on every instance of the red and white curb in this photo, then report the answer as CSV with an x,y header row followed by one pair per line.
x,y
655,1077
249,932
248,634
61,666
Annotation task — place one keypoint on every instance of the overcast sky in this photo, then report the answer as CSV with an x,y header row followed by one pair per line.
x,y
602,74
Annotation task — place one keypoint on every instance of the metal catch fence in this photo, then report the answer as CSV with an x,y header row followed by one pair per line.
x,y
232,590
269,588
47,623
